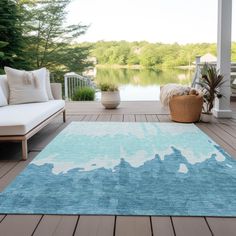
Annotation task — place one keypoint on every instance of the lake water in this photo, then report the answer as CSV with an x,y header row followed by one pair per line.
x,y
143,84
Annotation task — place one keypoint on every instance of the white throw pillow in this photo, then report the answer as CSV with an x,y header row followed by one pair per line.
x,y
27,86
48,86
3,99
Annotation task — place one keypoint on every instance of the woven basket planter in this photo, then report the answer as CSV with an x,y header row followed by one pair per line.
x,y
186,108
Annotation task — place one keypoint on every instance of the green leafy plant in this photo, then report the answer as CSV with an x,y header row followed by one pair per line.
x,y
107,87
84,94
210,81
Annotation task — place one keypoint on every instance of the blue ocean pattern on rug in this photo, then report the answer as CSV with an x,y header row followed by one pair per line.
x,y
126,169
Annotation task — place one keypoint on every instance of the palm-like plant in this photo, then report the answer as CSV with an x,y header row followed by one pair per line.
x,y
210,81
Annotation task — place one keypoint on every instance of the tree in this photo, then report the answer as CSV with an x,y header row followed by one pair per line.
x,y
149,56
49,40
11,41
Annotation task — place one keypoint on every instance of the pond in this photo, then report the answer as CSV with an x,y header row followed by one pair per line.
x,y
141,84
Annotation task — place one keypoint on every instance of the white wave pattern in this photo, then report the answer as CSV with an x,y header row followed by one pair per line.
x,y
88,145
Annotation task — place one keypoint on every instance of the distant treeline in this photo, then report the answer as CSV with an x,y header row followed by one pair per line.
x,y
147,54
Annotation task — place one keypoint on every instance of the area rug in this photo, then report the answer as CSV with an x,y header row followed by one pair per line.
x,y
126,169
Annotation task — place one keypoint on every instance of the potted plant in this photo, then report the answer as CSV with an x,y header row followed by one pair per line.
x,y
210,82
110,95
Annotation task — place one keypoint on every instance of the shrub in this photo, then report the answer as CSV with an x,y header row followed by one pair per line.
x,y
106,87
84,94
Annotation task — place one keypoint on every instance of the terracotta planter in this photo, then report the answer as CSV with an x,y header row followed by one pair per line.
x,y
110,100
206,117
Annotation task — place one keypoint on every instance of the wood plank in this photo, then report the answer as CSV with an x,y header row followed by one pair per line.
x,y
7,167
220,140
2,163
230,129
133,226
95,225
224,135
126,107
19,225
164,118
162,226
90,117
191,226
2,217
75,118
225,121
129,118
222,226
104,117
117,118
152,118
140,118
10,175
56,225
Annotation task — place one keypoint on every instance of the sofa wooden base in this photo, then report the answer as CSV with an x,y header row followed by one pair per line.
x,y
24,138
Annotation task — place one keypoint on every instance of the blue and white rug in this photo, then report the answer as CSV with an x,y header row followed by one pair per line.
x,y
127,169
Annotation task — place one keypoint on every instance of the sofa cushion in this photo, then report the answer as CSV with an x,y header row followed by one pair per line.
x,y
48,86
4,86
27,87
3,99
20,119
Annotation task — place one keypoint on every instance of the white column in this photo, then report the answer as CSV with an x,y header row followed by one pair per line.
x,y
222,105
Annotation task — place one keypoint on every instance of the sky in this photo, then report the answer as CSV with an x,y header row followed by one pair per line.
x,y
166,21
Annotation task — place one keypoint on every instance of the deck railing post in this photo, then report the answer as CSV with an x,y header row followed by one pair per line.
x,y
66,87
197,72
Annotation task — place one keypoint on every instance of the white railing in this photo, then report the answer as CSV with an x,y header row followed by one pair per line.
x,y
199,66
73,81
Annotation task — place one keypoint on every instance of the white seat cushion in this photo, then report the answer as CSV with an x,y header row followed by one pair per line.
x,y
20,119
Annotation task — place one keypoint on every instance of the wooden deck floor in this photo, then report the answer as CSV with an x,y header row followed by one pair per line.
x,y
222,131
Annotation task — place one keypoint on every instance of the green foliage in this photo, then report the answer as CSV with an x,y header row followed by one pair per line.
x,y
150,55
11,41
34,35
233,52
49,43
108,87
84,94
211,80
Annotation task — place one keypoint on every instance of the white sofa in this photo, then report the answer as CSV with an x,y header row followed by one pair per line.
x,y
21,122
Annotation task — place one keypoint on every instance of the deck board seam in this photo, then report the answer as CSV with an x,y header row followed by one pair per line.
x,y
224,140
36,150
3,218
114,227
37,225
3,165
76,225
173,227
13,167
208,226
150,218
219,125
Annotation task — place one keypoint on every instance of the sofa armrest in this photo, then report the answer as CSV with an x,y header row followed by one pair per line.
x,y
56,91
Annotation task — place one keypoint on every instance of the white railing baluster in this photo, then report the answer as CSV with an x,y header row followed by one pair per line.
x,y
73,81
